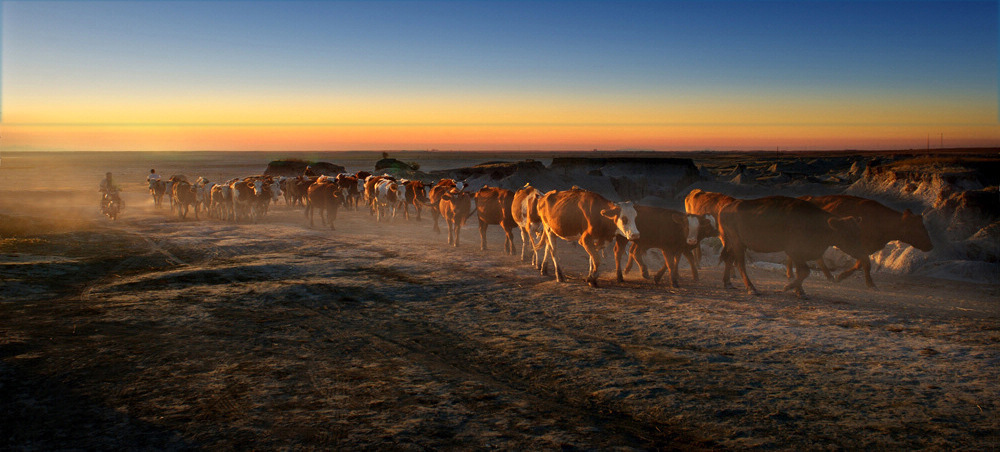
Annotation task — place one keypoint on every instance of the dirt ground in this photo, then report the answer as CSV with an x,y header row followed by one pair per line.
x,y
156,333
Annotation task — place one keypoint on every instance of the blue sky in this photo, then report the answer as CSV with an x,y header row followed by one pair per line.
x,y
642,63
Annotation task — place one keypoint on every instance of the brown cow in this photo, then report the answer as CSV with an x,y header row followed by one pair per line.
x,y
524,210
184,195
416,196
879,226
673,233
437,192
778,223
493,206
350,187
699,202
587,217
325,197
456,207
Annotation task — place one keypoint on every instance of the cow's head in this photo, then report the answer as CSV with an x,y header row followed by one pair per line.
x,y
460,185
623,214
275,190
690,226
258,186
847,231
913,231
707,227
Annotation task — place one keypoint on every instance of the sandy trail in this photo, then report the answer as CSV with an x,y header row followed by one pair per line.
x,y
155,332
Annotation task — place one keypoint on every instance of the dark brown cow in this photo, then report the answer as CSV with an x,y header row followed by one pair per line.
x,y
673,233
326,197
524,210
493,206
456,207
586,217
699,202
349,186
184,195
879,226
778,223
157,188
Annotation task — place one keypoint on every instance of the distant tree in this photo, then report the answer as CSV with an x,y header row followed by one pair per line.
x,y
385,155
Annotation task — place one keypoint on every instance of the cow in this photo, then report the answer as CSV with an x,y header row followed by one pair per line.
x,y
699,202
389,194
673,233
350,189
294,189
455,206
494,206
327,197
437,192
778,223
416,196
157,188
879,226
370,193
203,191
245,195
184,195
524,210
222,201
586,217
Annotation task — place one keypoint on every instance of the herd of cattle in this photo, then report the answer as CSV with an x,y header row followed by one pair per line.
x,y
803,228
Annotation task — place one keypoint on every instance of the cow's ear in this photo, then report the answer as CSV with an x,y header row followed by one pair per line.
x,y
611,213
679,218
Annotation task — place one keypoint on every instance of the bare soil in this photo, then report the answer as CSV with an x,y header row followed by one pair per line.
x,y
157,333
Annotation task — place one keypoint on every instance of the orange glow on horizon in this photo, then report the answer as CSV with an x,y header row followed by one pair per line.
x,y
488,137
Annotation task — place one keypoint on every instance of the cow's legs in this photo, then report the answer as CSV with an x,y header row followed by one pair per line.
x,y
458,229
508,244
620,243
865,264
689,254
482,234
739,258
801,273
825,269
595,258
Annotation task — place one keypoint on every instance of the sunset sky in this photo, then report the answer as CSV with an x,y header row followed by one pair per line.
x,y
499,75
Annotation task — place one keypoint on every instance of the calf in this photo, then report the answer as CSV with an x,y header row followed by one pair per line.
x,y
586,217
673,233
777,223
350,189
879,225
327,197
494,206
524,210
456,208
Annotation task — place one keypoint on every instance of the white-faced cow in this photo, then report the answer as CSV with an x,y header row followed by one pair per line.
x,y
778,223
673,233
586,217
